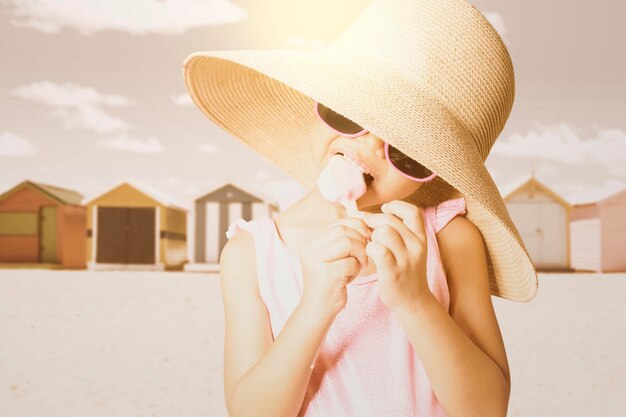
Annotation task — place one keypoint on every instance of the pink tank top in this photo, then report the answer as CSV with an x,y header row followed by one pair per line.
x,y
366,365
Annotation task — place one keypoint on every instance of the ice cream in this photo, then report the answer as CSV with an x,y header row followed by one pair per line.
x,y
342,182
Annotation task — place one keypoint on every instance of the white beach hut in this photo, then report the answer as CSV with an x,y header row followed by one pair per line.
x,y
214,211
542,218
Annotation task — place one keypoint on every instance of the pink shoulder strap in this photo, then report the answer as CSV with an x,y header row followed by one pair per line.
x,y
435,218
254,228
446,211
241,224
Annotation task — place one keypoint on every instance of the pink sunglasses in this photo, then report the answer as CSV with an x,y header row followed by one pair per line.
x,y
402,163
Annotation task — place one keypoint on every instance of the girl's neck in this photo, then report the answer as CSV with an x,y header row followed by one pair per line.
x,y
316,209
308,215
315,212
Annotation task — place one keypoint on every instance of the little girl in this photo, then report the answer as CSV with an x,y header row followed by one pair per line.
x,y
388,314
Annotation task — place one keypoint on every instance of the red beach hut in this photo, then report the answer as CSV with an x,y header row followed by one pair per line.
x,y
43,224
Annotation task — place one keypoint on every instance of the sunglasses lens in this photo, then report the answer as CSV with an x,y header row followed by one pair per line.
x,y
337,121
408,165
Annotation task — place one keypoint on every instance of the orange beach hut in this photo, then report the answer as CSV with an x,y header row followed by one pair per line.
x,y
134,226
42,224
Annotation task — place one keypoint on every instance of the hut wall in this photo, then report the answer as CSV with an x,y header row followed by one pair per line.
x,y
542,223
211,229
19,249
613,220
173,237
19,238
585,244
217,217
19,225
585,211
73,237
25,199
49,236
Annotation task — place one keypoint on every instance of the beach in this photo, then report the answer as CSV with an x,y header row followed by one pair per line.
x,y
127,343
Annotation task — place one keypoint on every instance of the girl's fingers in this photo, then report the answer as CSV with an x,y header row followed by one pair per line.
x,y
388,236
355,223
345,247
410,214
348,267
377,220
382,257
411,228
332,234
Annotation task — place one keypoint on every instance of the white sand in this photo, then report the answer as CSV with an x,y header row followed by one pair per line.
x,y
83,344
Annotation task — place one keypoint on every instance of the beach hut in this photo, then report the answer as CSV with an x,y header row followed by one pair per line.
x,y
542,218
215,210
42,224
598,231
134,226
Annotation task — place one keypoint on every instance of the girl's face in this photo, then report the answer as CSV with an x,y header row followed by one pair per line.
x,y
388,184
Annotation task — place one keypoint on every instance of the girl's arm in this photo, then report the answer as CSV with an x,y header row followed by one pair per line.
x,y
462,352
263,377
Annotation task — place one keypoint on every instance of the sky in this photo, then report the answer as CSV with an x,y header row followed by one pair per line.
x,y
92,92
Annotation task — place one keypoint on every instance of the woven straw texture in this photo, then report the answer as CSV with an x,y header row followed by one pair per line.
x,y
431,77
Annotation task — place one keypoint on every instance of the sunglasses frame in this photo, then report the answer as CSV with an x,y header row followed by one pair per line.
x,y
363,132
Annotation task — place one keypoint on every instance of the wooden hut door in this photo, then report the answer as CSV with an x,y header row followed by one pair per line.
x,y
48,234
140,235
551,226
526,219
126,235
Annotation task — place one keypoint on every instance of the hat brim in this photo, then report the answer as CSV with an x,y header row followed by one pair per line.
x,y
264,99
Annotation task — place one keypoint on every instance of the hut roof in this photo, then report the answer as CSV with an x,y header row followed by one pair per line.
x,y
603,197
532,181
59,194
148,190
237,184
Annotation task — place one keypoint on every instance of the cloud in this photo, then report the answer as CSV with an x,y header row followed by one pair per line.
x,y
126,143
262,175
581,194
581,165
68,95
182,100
496,20
132,16
14,145
90,118
76,106
173,182
208,148
562,143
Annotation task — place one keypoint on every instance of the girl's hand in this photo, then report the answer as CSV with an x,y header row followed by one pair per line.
x,y
399,249
330,259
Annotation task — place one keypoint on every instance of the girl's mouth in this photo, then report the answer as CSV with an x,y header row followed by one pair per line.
x,y
368,178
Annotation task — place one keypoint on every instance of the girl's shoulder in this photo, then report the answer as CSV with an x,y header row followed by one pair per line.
x,y
458,238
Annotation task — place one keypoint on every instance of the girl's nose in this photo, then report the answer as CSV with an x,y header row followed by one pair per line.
x,y
374,143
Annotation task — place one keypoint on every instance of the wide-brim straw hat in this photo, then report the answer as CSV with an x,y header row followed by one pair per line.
x,y
431,77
